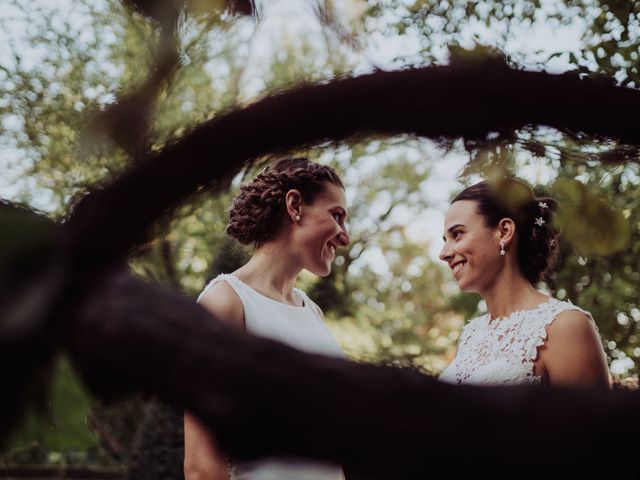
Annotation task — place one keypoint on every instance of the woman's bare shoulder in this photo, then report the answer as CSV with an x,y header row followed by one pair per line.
x,y
573,355
570,324
223,301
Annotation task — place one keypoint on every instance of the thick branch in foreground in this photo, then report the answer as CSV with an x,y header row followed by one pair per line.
x,y
460,100
261,397
29,286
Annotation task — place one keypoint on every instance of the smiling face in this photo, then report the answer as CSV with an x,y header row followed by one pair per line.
x,y
471,249
321,230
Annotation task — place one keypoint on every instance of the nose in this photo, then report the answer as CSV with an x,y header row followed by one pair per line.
x,y
446,253
343,237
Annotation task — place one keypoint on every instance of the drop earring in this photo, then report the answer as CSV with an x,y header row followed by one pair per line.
x,y
502,252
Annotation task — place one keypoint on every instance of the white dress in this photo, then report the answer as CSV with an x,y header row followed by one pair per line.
x,y
503,351
298,327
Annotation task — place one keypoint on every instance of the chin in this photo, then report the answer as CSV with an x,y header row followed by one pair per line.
x,y
468,288
322,270
464,287
325,272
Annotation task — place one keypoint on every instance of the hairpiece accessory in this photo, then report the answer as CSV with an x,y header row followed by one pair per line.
x,y
297,218
543,205
540,221
502,252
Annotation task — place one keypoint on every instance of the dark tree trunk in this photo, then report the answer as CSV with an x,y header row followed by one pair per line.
x,y
263,398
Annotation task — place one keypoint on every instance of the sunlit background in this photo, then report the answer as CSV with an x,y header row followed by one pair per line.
x,y
388,299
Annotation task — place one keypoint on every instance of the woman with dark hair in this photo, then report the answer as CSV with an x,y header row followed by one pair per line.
x,y
500,242
294,214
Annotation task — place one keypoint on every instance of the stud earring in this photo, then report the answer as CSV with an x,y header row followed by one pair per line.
x,y
297,218
502,252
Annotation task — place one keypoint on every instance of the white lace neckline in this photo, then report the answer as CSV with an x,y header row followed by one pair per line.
x,y
491,321
504,351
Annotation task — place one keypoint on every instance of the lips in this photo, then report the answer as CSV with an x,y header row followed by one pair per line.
x,y
457,266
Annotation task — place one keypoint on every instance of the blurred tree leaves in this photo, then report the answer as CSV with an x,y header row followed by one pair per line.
x,y
59,423
587,221
386,300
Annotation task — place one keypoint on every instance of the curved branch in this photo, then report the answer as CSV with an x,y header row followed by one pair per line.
x,y
467,100
263,398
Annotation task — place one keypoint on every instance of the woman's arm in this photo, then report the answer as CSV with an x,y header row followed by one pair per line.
x,y
573,355
202,459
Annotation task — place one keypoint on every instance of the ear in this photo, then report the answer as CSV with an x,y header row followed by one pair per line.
x,y
506,230
293,203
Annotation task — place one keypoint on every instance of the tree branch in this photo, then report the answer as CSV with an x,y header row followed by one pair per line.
x,y
467,100
263,398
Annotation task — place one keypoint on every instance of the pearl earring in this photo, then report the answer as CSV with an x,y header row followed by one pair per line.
x,y
502,252
297,218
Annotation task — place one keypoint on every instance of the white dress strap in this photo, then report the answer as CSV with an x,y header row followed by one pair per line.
x,y
226,277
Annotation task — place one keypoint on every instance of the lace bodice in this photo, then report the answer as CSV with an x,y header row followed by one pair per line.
x,y
503,351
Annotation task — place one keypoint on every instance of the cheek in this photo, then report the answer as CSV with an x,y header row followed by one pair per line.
x,y
488,254
466,246
477,249
318,233
324,229
484,258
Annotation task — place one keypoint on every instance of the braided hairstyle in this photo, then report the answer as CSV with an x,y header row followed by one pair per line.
x,y
537,243
259,209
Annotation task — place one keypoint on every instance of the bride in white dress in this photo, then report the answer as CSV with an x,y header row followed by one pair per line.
x,y
294,213
499,242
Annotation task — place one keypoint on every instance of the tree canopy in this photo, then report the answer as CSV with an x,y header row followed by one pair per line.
x,y
133,127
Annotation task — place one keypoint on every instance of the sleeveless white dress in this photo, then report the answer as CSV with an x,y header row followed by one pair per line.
x,y
503,351
297,327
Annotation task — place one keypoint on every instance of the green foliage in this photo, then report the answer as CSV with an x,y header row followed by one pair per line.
x,y
385,300
404,312
607,286
588,222
158,451
59,424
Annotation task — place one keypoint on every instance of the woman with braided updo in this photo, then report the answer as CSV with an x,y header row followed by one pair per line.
x,y
500,242
294,214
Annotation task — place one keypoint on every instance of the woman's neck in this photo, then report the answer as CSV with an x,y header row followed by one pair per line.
x,y
272,272
511,292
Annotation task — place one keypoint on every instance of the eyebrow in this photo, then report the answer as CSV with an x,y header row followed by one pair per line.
x,y
451,229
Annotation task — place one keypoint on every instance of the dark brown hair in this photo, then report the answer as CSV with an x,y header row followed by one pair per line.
x,y
537,243
259,208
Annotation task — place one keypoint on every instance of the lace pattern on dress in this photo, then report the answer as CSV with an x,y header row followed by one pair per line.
x,y
503,351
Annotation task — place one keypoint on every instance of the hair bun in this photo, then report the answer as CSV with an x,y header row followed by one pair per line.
x,y
257,212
